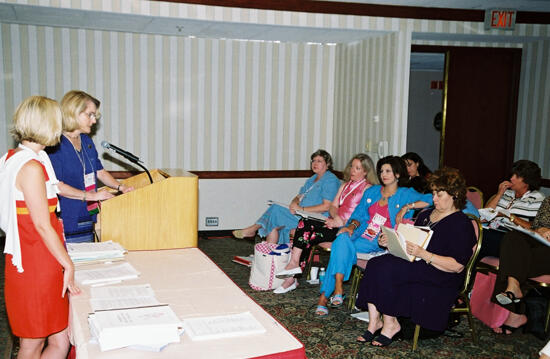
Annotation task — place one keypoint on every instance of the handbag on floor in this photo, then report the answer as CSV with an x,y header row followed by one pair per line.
x,y
493,315
269,259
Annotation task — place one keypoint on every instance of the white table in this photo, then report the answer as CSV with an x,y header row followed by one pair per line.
x,y
194,286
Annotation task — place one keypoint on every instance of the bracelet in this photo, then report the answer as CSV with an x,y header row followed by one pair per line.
x,y
354,224
429,261
512,218
84,197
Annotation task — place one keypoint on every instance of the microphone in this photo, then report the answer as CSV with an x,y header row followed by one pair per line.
x,y
120,151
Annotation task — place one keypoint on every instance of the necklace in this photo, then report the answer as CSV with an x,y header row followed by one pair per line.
x,y
435,217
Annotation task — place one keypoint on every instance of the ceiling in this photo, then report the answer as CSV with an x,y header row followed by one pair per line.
x,y
519,5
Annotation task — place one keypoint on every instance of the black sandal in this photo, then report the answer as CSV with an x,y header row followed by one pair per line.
x,y
385,341
367,336
507,298
510,329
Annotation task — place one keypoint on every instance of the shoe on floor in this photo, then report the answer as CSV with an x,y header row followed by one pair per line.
x,y
321,311
507,298
283,290
238,233
337,300
289,272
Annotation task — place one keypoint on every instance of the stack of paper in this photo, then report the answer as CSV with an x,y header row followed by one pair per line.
x,y
122,297
93,252
223,326
152,327
107,274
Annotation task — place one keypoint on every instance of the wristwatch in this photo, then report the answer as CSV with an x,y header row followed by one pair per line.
x,y
512,218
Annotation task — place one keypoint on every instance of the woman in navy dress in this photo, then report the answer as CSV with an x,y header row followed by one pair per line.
x,y
77,166
426,289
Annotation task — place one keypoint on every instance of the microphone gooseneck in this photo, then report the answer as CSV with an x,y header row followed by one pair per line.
x,y
129,156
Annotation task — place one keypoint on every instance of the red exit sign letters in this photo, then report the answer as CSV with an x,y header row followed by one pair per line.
x,y
502,19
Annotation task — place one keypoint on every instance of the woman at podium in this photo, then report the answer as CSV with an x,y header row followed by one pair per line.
x,y
77,166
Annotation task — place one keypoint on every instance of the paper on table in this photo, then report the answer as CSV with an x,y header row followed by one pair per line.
x,y
223,326
106,274
143,326
130,296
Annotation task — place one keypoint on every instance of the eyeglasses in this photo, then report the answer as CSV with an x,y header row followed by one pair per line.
x,y
93,116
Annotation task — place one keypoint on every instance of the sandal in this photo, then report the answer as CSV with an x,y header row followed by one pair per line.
x,y
321,311
507,298
508,330
337,300
385,341
367,336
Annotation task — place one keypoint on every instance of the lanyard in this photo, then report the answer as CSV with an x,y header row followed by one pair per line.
x,y
344,196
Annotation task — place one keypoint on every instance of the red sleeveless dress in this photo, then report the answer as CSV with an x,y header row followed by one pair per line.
x,y
33,298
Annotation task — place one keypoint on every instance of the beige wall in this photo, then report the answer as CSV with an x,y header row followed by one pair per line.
x,y
204,104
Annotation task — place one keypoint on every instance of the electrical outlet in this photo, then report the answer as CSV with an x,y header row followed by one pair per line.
x,y
212,221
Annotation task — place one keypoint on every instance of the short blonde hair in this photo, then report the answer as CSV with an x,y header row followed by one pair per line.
x,y
37,119
72,105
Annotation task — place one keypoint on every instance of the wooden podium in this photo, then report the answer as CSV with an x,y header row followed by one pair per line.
x,y
161,215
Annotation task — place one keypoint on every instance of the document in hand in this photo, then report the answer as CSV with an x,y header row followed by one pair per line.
x,y
406,232
270,202
488,214
311,215
533,234
150,326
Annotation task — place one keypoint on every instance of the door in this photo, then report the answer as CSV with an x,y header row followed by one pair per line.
x,y
480,114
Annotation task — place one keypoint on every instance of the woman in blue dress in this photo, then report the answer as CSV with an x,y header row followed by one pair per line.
x,y
382,205
77,166
315,196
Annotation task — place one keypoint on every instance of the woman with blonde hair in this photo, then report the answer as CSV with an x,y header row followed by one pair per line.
x,y
78,167
359,175
38,270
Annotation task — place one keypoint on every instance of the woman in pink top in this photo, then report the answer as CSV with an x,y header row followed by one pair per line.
x,y
359,175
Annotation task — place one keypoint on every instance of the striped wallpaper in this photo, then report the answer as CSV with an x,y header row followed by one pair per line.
x,y
205,104
198,104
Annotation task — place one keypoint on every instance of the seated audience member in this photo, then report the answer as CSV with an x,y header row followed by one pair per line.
x,y
520,197
359,175
426,289
315,196
382,205
521,257
418,172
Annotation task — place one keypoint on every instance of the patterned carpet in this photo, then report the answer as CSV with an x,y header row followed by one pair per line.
x,y
334,336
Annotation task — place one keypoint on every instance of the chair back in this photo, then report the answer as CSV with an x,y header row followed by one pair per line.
x,y
470,265
475,196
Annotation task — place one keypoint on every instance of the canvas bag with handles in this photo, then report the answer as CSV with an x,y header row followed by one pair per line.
x,y
493,315
269,259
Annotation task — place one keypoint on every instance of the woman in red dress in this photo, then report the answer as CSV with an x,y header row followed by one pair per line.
x,y
38,270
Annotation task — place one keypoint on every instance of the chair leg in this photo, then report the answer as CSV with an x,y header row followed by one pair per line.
x,y
353,289
547,317
415,338
471,319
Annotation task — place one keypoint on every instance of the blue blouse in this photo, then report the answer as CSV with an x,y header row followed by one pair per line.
x,y
67,165
316,192
402,197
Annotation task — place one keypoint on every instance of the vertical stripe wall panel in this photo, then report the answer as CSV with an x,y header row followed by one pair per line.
x,y
196,104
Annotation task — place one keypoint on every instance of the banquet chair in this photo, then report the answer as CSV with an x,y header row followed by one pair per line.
x,y
463,295
475,196
357,273
315,254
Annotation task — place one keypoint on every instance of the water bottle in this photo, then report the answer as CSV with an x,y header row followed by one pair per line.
x,y
322,275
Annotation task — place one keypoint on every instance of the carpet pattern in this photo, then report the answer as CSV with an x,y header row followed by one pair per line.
x,y
334,336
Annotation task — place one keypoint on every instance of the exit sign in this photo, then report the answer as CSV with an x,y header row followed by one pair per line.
x,y
502,19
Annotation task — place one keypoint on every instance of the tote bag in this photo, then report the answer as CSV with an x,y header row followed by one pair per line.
x,y
269,259
493,315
